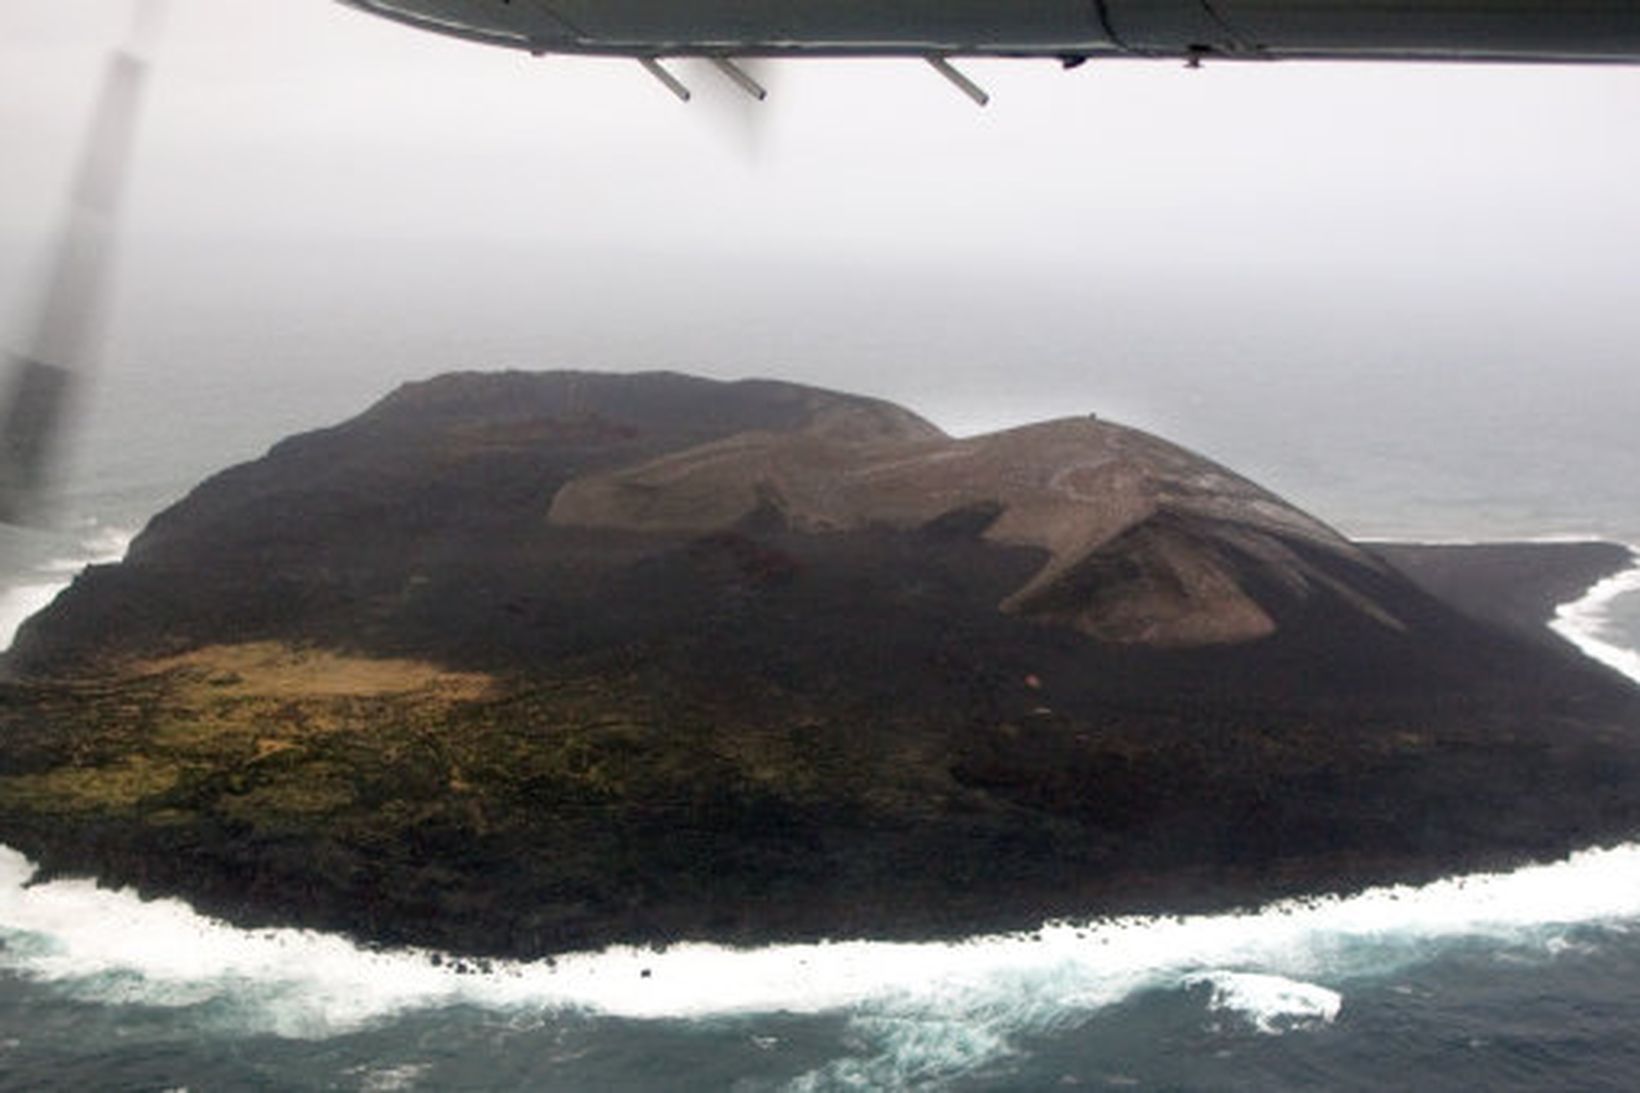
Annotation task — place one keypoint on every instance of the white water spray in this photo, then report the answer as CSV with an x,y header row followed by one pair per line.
x,y
103,944
1585,621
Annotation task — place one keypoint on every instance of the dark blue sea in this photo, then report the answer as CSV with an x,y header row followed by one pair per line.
x,y
1529,980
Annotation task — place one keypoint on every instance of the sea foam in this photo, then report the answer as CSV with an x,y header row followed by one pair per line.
x,y
1273,1003
1585,622
109,945
98,545
19,602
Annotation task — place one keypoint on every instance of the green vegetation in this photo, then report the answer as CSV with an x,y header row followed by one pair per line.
x,y
117,786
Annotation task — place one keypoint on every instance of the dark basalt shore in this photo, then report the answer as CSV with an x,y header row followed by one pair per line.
x,y
1513,585
523,663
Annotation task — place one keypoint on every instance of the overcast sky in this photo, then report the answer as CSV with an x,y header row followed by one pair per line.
x,y
326,203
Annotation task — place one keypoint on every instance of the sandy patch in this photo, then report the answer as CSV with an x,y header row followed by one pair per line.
x,y
276,670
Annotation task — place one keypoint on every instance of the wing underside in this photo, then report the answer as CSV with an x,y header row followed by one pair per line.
x,y
1499,30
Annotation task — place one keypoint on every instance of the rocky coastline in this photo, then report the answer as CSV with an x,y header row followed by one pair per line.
x,y
525,663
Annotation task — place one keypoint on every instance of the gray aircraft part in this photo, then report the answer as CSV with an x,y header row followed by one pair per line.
x,y
1070,30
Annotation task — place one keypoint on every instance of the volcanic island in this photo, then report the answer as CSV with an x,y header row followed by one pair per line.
x,y
526,663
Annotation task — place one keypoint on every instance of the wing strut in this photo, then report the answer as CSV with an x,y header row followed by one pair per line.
x,y
653,66
959,81
740,78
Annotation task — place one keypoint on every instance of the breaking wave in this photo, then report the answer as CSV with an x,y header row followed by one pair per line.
x,y
35,590
1586,622
917,1009
1272,1003
19,602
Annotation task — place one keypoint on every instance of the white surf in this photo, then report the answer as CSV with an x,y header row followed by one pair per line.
x,y
1586,621
35,591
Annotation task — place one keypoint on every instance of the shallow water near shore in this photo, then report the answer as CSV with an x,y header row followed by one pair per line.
x,y
1516,981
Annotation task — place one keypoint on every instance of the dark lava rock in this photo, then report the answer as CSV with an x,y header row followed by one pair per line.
x,y
520,663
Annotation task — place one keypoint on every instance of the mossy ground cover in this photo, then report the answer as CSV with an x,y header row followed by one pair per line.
x,y
613,799
422,791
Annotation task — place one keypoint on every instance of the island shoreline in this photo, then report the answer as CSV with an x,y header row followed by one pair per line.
x,y
1540,572
523,663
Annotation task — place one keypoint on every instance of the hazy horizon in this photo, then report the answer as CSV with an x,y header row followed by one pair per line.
x,y
1350,278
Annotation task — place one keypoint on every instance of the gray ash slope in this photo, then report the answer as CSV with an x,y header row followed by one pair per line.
x,y
1066,668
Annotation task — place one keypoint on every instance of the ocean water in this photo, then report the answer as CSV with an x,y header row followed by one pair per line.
x,y
1526,980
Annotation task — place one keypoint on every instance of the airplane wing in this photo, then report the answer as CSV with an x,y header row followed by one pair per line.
x,y
1069,30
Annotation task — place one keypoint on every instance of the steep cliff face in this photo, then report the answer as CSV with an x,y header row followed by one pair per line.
x,y
520,663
